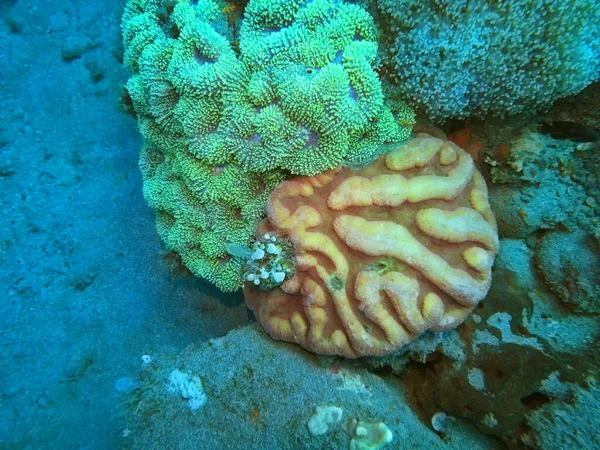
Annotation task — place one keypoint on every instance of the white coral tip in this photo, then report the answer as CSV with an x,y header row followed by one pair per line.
x,y
258,254
272,249
278,277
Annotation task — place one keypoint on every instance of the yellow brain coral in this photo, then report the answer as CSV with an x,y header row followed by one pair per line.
x,y
382,255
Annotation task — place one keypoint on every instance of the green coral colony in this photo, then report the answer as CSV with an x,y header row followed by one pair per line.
x,y
226,117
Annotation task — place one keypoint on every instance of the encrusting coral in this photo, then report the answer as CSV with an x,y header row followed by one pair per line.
x,y
223,125
463,58
383,254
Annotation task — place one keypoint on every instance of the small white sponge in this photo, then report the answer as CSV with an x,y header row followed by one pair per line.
x,y
187,386
367,436
324,418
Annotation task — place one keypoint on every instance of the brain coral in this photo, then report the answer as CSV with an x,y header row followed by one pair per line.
x,y
382,254
470,57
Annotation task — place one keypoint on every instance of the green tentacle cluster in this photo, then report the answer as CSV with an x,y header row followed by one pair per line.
x,y
223,127
313,98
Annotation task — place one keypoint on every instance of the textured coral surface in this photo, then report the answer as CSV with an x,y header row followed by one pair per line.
x,y
462,58
223,125
383,254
